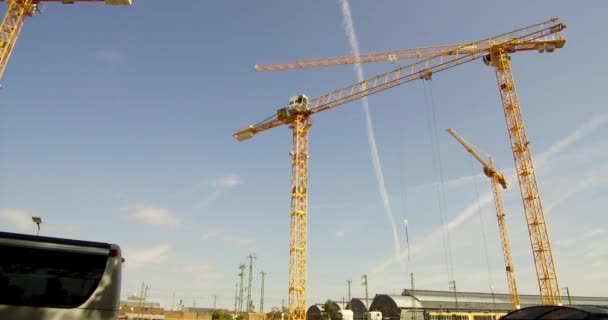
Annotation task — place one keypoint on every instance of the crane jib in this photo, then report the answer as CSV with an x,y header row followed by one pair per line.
x,y
525,39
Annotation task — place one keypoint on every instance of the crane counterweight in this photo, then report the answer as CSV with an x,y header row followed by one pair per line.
x,y
244,134
119,2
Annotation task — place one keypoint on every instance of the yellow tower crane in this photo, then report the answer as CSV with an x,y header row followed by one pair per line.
x,y
15,15
498,180
544,36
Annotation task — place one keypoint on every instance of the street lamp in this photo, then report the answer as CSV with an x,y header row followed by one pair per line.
x,y
37,221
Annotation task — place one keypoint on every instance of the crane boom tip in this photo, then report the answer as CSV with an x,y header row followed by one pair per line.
x,y
119,2
244,134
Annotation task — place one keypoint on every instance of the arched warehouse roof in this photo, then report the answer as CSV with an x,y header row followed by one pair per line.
x,y
357,305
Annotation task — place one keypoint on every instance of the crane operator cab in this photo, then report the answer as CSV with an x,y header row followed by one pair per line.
x,y
297,104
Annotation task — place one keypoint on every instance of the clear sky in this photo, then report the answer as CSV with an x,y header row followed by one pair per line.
x,y
116,124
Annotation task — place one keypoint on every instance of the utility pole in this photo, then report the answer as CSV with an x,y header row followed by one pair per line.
x,y
141,293
262,293
249,301
493,298
242,275
364,277
453,287
214,302
568,294
142,297
412,295
349,297
236,296
173,301
412,282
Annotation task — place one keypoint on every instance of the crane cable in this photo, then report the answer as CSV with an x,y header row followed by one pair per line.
x,y
437,163
265,120
404,194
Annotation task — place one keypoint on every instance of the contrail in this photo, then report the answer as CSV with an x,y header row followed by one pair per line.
x,y
585,129
596,122
349,29
431,239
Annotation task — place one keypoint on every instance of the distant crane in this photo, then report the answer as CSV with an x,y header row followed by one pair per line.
x,y
498,180
541,37
15,15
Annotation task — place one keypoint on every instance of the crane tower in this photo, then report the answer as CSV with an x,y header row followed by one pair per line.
x,y
541,37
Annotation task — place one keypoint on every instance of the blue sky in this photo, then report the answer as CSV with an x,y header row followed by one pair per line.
x,y
116,126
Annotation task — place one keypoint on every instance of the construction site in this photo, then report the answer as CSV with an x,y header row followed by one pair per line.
x,y
403,201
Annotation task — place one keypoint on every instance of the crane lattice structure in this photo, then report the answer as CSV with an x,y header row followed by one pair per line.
x,y
494,51
498,180
17,11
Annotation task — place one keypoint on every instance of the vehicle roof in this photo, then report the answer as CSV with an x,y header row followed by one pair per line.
x,y
579,312
28,237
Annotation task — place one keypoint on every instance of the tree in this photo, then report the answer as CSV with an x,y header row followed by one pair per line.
x,y
274,314
221,315
331,311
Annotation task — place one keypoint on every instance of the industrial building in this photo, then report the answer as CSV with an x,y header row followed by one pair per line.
x,y
359,307
443,305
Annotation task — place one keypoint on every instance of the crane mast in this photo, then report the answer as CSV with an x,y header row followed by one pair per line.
x,y
498,180
298,115
526,175
299,211
12,23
